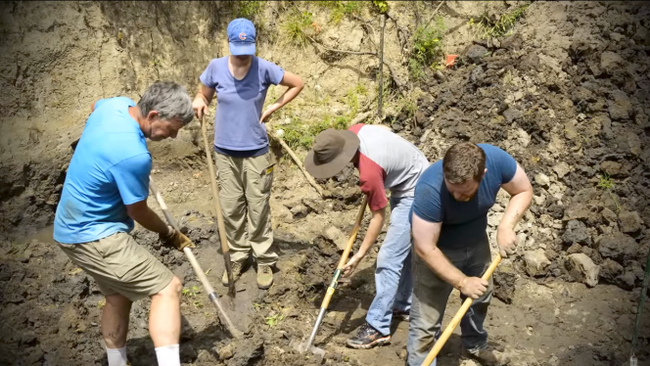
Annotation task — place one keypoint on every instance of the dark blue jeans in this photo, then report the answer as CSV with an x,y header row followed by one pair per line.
x,y
430,295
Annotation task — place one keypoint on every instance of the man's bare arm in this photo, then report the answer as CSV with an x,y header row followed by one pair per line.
x,y
425,239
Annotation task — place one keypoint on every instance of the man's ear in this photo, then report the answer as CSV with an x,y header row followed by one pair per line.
x,y
153,115
485,171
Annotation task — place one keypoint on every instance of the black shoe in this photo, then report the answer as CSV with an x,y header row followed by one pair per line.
x,y
367,337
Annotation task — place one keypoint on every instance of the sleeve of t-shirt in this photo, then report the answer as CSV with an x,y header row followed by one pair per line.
x,y
99,103
504,163
371,182
208,78
426,203
132,178
273,73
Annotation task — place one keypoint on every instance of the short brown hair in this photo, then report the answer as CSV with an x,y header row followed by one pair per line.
x,y
462,162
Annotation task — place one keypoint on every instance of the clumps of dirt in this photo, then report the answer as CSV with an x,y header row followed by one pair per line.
x,y
571,105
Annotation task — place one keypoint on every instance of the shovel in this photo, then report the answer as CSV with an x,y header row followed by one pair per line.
x,y
212,295
332,286
222,229
437,347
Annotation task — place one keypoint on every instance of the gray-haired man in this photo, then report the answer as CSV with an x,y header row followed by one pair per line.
x,y
105,190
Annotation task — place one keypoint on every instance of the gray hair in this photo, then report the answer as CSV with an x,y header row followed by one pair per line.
x,y
169,99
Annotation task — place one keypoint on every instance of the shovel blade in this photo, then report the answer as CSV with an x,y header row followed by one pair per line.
x,y
301,347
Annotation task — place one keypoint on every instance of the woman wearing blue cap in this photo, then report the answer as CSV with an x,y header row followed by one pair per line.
x,y
244,163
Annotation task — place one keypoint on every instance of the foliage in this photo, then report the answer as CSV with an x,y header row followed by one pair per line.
x,y
246,9
297,27
605,182
426,47
490,27
341,9
191,292
381,6
274,319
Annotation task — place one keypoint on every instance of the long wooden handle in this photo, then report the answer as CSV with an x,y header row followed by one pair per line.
x,y
457,318
212,295
295,159
220,223
344,256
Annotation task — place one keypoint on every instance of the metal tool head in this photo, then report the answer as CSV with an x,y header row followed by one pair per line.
x,y
302,347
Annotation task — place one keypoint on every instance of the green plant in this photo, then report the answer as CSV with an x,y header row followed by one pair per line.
x,y
491,27
101,303
297,26
426,47
605,182
246,9
191,292
274,319
381,6
341,9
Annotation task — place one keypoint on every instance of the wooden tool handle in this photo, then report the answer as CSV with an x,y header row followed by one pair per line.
x,y
437,347
220,224
344,256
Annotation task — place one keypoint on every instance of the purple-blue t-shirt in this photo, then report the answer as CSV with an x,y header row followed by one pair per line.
x,y
237,126
463,223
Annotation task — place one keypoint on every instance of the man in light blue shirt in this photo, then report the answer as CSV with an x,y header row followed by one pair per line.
x,y
105,190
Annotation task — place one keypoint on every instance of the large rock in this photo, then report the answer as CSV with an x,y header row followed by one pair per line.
x,y
610,270
612,168
618,247
336,236
608,215
536,262
634,143
576,232
542,180
583,269
630,222
619,106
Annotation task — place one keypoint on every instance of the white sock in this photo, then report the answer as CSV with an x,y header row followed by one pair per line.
x,y
168,355
116,356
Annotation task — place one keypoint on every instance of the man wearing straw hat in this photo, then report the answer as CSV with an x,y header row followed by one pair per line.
x,y
385,161
449,221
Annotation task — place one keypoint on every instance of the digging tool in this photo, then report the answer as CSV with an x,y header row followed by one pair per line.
x,y
635,336
332,286
222,228
437,347
212,295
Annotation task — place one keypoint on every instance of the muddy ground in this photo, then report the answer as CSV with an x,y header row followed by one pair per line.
x,y
566,93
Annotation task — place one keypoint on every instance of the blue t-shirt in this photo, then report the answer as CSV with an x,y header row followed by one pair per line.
x,y
109,169
239,104
463,223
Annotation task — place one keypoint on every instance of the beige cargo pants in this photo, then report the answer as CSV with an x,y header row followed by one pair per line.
x,y
244,192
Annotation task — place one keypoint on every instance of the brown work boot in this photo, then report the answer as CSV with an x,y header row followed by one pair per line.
x,y
236,272
487,356
264,276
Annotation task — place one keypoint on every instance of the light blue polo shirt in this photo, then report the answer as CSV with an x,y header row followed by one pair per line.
x,y
109,170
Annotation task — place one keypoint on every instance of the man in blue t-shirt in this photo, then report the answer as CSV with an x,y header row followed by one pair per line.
x,y
244,163
449,221
105,190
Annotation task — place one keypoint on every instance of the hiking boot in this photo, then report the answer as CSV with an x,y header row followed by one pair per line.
x,y
367,337
487,356
236,273
402,315
264,276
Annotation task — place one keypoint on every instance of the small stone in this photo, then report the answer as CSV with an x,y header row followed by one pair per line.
x,y
226,352
619,106
583,269
336,236
610,270
634,143
562,169
630,222
475,52
542,180
299,211
536,262
612,168
575,248
610,61
608,215
539,200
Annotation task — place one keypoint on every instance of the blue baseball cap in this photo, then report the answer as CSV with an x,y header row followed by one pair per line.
x,y
241,37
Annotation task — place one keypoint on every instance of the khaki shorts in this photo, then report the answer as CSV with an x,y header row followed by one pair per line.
x,y
120,266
